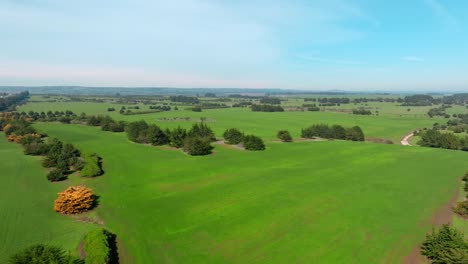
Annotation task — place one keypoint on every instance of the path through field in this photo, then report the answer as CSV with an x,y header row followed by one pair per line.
x,y
405,141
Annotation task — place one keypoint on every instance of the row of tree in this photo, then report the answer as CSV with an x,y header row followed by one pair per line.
x,y
436,139
9,102
266,108
354,133
233,136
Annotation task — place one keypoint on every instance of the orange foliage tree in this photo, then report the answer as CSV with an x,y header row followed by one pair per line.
x,y
74,200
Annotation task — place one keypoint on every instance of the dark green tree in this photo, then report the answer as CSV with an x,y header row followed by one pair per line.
x,y
197,146
253,143
177,136
284,136
445,245
42,254
201,130
232,136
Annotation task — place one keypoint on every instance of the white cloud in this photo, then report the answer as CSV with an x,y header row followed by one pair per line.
x,y
413,59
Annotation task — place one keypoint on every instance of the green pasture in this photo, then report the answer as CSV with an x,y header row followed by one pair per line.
x,y
389,125
304,202
26,205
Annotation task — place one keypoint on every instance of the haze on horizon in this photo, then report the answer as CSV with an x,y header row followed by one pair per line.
x,y
333,44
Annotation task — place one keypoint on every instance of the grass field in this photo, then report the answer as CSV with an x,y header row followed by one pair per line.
x,y
321,202
389,125
26,205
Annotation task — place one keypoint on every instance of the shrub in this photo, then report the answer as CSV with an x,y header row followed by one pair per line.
x,y
196,109
74,200
338,132
319,130
355,134
461,208
156,136
92,166
201,130
445,245
284,136
56,175
232,136
99,247
253,143
40,253
196,146
177,136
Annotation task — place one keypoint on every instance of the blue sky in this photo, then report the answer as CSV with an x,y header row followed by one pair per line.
x,y
319,45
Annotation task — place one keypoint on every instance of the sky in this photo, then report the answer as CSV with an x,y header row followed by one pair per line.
x,y
312,45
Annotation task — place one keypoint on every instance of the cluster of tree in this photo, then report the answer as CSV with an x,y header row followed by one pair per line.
x,y
10,102
313,108
435,139
334,100
446,245
244,96
242,104
110,109
270,100
418,100
361,111
160,108
75,200
439,111
266,108
196,109
334,132
378,99
99,246
459,99
210,95
40,253
233,136
206,105
196,141
184,99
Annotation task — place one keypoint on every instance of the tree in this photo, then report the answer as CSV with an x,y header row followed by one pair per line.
x,y
338,132
253,143
56,175
232,136
202,130
75,200
284,136
197,146
156,136
355,134
177,136
42,254
99,247
136,131
446,245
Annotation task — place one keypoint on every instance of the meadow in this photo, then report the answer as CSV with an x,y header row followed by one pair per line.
x,y
327,202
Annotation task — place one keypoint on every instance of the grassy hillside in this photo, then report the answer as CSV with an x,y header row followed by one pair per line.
x,y
26,205
327,202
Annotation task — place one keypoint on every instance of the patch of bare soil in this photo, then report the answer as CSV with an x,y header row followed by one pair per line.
x,y
379,140
310,139
442,216
222,143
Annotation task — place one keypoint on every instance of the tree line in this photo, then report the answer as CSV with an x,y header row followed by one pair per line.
x,y
266,108
354,133
11,101
435,139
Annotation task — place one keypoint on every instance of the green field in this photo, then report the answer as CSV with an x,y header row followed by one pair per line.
x,y
390,124
326,202
26,205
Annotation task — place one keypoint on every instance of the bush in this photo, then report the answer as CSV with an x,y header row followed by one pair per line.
x,y
446,245
201,130
284,136
99,247
177,136
232,136
355,134
42,254
56,175
75,200
92,166
197,109
461,208
196,146
253,143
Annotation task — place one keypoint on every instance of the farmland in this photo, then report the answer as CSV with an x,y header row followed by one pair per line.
x,y
324,201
